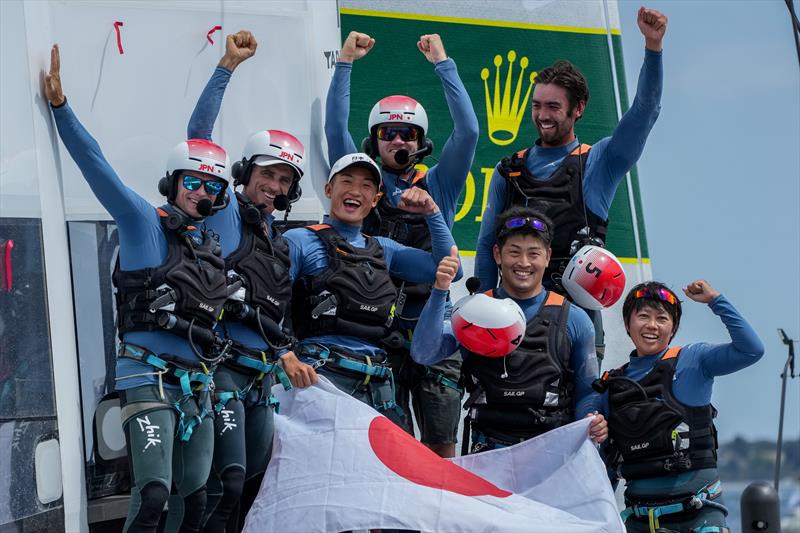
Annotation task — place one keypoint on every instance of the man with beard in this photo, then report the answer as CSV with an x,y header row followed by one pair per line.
x,y
573,183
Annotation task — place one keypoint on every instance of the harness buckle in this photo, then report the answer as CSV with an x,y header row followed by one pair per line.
x,y
324,306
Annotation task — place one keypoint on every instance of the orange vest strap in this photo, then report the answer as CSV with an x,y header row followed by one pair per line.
x,y
521,152
420,175
582,149
671,353
490,292
161,212
554,298
317,227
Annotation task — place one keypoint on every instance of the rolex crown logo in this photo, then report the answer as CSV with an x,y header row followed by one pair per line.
x,y
504,113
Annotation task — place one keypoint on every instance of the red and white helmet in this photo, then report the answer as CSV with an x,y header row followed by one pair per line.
x,y
398,108
488,326
271,147
199,155
594,278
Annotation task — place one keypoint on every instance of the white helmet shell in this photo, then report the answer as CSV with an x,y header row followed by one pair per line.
x,y
398,108
594,278
199,155
276,147
488,326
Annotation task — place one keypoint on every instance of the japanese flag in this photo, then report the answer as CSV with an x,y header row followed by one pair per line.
x,y
338,465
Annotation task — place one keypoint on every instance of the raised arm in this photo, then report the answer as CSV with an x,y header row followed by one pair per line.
x,y
436,341
239,47
745,347
447,178
627,142
485,266
337,107
583,362
120,201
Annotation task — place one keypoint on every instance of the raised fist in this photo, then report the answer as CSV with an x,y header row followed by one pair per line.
x,y
239,47
700,291
356,46
416,200
653,25
432,48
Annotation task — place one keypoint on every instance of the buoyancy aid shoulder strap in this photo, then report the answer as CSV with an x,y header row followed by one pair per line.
x,y
583,149
512,166
316,228
419,176
555,299
671,353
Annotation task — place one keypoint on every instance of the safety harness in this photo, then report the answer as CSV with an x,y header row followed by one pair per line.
x,y
654,510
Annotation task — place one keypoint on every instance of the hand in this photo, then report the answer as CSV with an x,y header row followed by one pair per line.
x,y
432,48
300,374
356,46
447,270
416,200
52,81
598,429
653,25
239,47
701,291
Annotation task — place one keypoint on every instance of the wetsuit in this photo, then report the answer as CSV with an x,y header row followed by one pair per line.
x,y
607,163
244,424
436,341
309,257
435,391
695,367
160,462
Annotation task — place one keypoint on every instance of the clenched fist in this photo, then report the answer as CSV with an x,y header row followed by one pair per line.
x,y
239,47
653,25
416,200
432,48
701,291
356,46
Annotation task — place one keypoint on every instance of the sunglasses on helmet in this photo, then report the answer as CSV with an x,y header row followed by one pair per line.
x,y
406,133
518,222
192,183
664,295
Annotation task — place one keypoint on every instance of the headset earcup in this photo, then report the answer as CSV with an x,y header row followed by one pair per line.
x,y
239,172
165,186
295,192
368,147
174,221
428,144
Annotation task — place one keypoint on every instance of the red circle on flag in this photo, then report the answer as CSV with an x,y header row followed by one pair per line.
x,y
406,457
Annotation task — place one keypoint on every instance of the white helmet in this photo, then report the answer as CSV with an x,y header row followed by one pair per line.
x,y
594,278
488,326
271,147
398,108
199,155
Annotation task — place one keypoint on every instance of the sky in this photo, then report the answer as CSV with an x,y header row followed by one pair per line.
x,y
720,185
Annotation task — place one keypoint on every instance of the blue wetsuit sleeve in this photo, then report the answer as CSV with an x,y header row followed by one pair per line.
x,y
419,266
295,241
201,124
583,362
612,157
744,349
447,178
337,113
485,266
435,341
125,206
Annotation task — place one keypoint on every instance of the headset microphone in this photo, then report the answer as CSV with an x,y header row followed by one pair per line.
x,y
402,157
473,284
281,202
205,207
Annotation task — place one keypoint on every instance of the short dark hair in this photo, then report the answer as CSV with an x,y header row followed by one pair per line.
x,y
566,75
633,304
502,233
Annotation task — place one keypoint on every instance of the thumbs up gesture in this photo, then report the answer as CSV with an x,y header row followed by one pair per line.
x,y
447,270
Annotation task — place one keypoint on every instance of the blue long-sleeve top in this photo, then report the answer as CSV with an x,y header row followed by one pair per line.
x,y
698,364
608,162
309,257
227,224
446,178
142,243
436,341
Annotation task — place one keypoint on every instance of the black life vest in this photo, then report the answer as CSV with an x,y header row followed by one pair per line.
x,y
655,434
353,296
262,263
192,278
408,229
560,197
529,391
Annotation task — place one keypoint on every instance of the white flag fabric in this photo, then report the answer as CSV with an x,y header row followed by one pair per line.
x,y
338,465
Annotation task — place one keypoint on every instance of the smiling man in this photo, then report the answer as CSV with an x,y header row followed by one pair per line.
x,y
171,287
256,254
573,184
553,367
343,298
398,124
661,421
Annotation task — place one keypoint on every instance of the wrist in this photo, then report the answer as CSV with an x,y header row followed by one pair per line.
x,y
654,45
56,105
441,286
345,57
228,63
